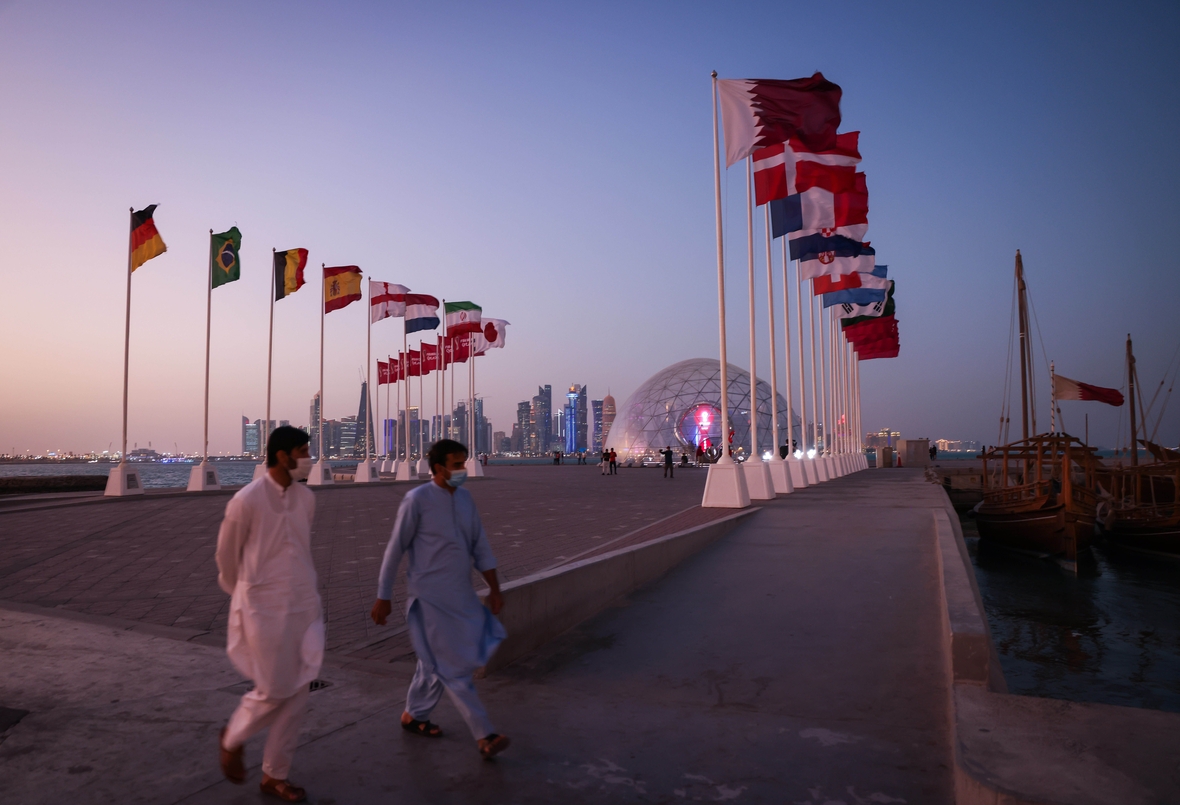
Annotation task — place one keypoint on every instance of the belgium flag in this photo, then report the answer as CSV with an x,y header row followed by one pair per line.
x,y
289,267
146,242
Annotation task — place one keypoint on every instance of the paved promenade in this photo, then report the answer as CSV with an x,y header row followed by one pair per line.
x,y
150,559
797,660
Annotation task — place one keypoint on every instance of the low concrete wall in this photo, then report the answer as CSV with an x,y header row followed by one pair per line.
x,y
540,607
1012,750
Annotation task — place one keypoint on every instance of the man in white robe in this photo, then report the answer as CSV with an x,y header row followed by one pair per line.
x,y
276,625
439,532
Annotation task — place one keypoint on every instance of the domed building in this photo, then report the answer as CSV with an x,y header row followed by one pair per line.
x,y
681,406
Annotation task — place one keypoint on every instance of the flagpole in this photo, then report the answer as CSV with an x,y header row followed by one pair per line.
x,y
320,473
823,373
816,408
199,480
117,481
366,475
725,486
797,474
802,362
761,485
270,346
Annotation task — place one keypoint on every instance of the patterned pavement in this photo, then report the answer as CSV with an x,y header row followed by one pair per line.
x,y
150,559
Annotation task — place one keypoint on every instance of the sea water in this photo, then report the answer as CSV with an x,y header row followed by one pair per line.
x,y
1108,634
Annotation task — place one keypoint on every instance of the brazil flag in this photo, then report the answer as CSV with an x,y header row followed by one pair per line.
x,y
223,251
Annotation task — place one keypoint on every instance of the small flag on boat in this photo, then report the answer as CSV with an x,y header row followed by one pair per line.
x,y
1066,389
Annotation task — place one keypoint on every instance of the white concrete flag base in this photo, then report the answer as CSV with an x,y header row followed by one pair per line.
x,y
780,476
798,473
423,467
404,471
386,467
259,470
725,487
821,469
830,465
123,480
809,471
366,473
321,474
203,478
474,468
758,481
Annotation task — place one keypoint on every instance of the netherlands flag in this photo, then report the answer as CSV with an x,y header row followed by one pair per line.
x,y
421,312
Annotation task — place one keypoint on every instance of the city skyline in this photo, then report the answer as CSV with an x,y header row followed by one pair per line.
x,y
972,150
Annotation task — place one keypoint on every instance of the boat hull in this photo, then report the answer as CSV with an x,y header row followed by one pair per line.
x,y
1154,539
1047,531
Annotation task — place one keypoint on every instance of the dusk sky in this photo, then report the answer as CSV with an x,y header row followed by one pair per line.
x,y
553,163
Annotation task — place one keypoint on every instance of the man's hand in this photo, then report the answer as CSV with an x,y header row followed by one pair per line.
x,y
381,611
495,602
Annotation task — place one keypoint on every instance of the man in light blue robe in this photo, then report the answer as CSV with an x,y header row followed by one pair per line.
x,y
439,532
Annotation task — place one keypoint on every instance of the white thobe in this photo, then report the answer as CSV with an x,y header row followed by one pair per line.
x,y
453,634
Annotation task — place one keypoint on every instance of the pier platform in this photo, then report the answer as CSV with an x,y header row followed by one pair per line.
x,y
822,651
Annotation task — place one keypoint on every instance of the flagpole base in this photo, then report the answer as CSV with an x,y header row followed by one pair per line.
x,y
780,476
798,473
203,478
404,471
387,467
321,474
259,470
725,487
366,473
124,480
474,467
423,467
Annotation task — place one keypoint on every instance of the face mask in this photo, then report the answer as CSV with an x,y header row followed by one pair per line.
x,y
302,469
457,478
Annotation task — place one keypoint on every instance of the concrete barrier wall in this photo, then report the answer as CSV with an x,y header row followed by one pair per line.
x,y
540,607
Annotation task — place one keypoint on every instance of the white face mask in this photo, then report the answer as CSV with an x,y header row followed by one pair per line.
x,y
302,469
457,478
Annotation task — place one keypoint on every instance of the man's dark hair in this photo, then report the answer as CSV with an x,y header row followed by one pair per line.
x,y
285,438
443,449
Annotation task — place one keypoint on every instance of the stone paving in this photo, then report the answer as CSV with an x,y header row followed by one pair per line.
x,y
151,559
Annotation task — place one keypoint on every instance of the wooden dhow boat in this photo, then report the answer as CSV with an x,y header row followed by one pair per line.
x,y
1039,493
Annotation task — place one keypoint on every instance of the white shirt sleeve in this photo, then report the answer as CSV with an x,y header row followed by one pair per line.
x,y
231,539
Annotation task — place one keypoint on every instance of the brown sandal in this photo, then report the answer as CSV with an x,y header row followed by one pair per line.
x,y
283,790
233,764
493,745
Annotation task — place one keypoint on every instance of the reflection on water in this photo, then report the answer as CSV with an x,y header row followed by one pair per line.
x,y
1110,634
155,476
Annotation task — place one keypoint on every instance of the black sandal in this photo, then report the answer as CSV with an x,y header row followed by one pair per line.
x,y
493,745
423,728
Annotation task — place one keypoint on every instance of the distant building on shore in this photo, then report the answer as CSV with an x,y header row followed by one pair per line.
x,y
882,438
957,445
608,417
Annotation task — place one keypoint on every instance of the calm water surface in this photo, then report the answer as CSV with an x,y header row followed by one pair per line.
x,y
155,476
1110,634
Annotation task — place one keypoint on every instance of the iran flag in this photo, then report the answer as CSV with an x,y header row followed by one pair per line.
x,y
463,317
1066,389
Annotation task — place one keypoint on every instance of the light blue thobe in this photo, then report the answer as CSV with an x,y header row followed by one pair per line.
x,y
453,634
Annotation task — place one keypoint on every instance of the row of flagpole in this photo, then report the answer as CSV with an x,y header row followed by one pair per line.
x,y
835,390
145,243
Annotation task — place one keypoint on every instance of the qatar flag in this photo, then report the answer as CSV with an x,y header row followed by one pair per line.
x,y
1066,389
759,112
817,208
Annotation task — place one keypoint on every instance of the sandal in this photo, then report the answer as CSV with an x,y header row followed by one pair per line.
x,y
493,745
283,790
423,728
233,764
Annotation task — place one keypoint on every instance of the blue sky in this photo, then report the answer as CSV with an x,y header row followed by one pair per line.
x,y
553,162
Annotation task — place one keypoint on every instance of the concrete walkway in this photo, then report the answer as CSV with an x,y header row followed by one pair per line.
x,y
797,660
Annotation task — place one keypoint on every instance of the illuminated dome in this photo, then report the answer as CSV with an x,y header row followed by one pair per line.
x,y
681,406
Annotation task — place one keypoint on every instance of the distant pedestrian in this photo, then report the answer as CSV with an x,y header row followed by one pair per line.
x,y
614,462
684,459
784,451
669,467
700,455
605,461
439,531
275,632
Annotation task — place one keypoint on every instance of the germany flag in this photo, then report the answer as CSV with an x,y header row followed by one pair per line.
x,y
289,267
146,242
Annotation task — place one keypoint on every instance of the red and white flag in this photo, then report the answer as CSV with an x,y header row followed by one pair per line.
x,y
386,299
382,373
784,169
490,337
760,112
840,282
830,265
1066,389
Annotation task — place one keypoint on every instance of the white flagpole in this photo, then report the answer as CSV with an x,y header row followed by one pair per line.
x,y
758,481
798,473
776,436
725,486
802,363
321,473
823,376
118,482
199,479
814,370
364,471
260,470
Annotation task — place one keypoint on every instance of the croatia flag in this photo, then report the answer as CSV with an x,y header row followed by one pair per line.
x,y
421,312
817,208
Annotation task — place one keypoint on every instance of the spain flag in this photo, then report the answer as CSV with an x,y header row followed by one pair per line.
x,y
342,287
289,267
146,242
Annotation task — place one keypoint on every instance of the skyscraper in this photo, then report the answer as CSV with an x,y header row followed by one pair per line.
x,y
520,431
544,418
250,440
596,441
608,418
364,425
575,419
315,427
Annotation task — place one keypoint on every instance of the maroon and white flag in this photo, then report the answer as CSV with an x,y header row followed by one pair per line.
x,y
764,111
382,373
1066,389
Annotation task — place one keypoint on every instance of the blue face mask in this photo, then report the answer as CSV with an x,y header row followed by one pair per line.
x,y
458,477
